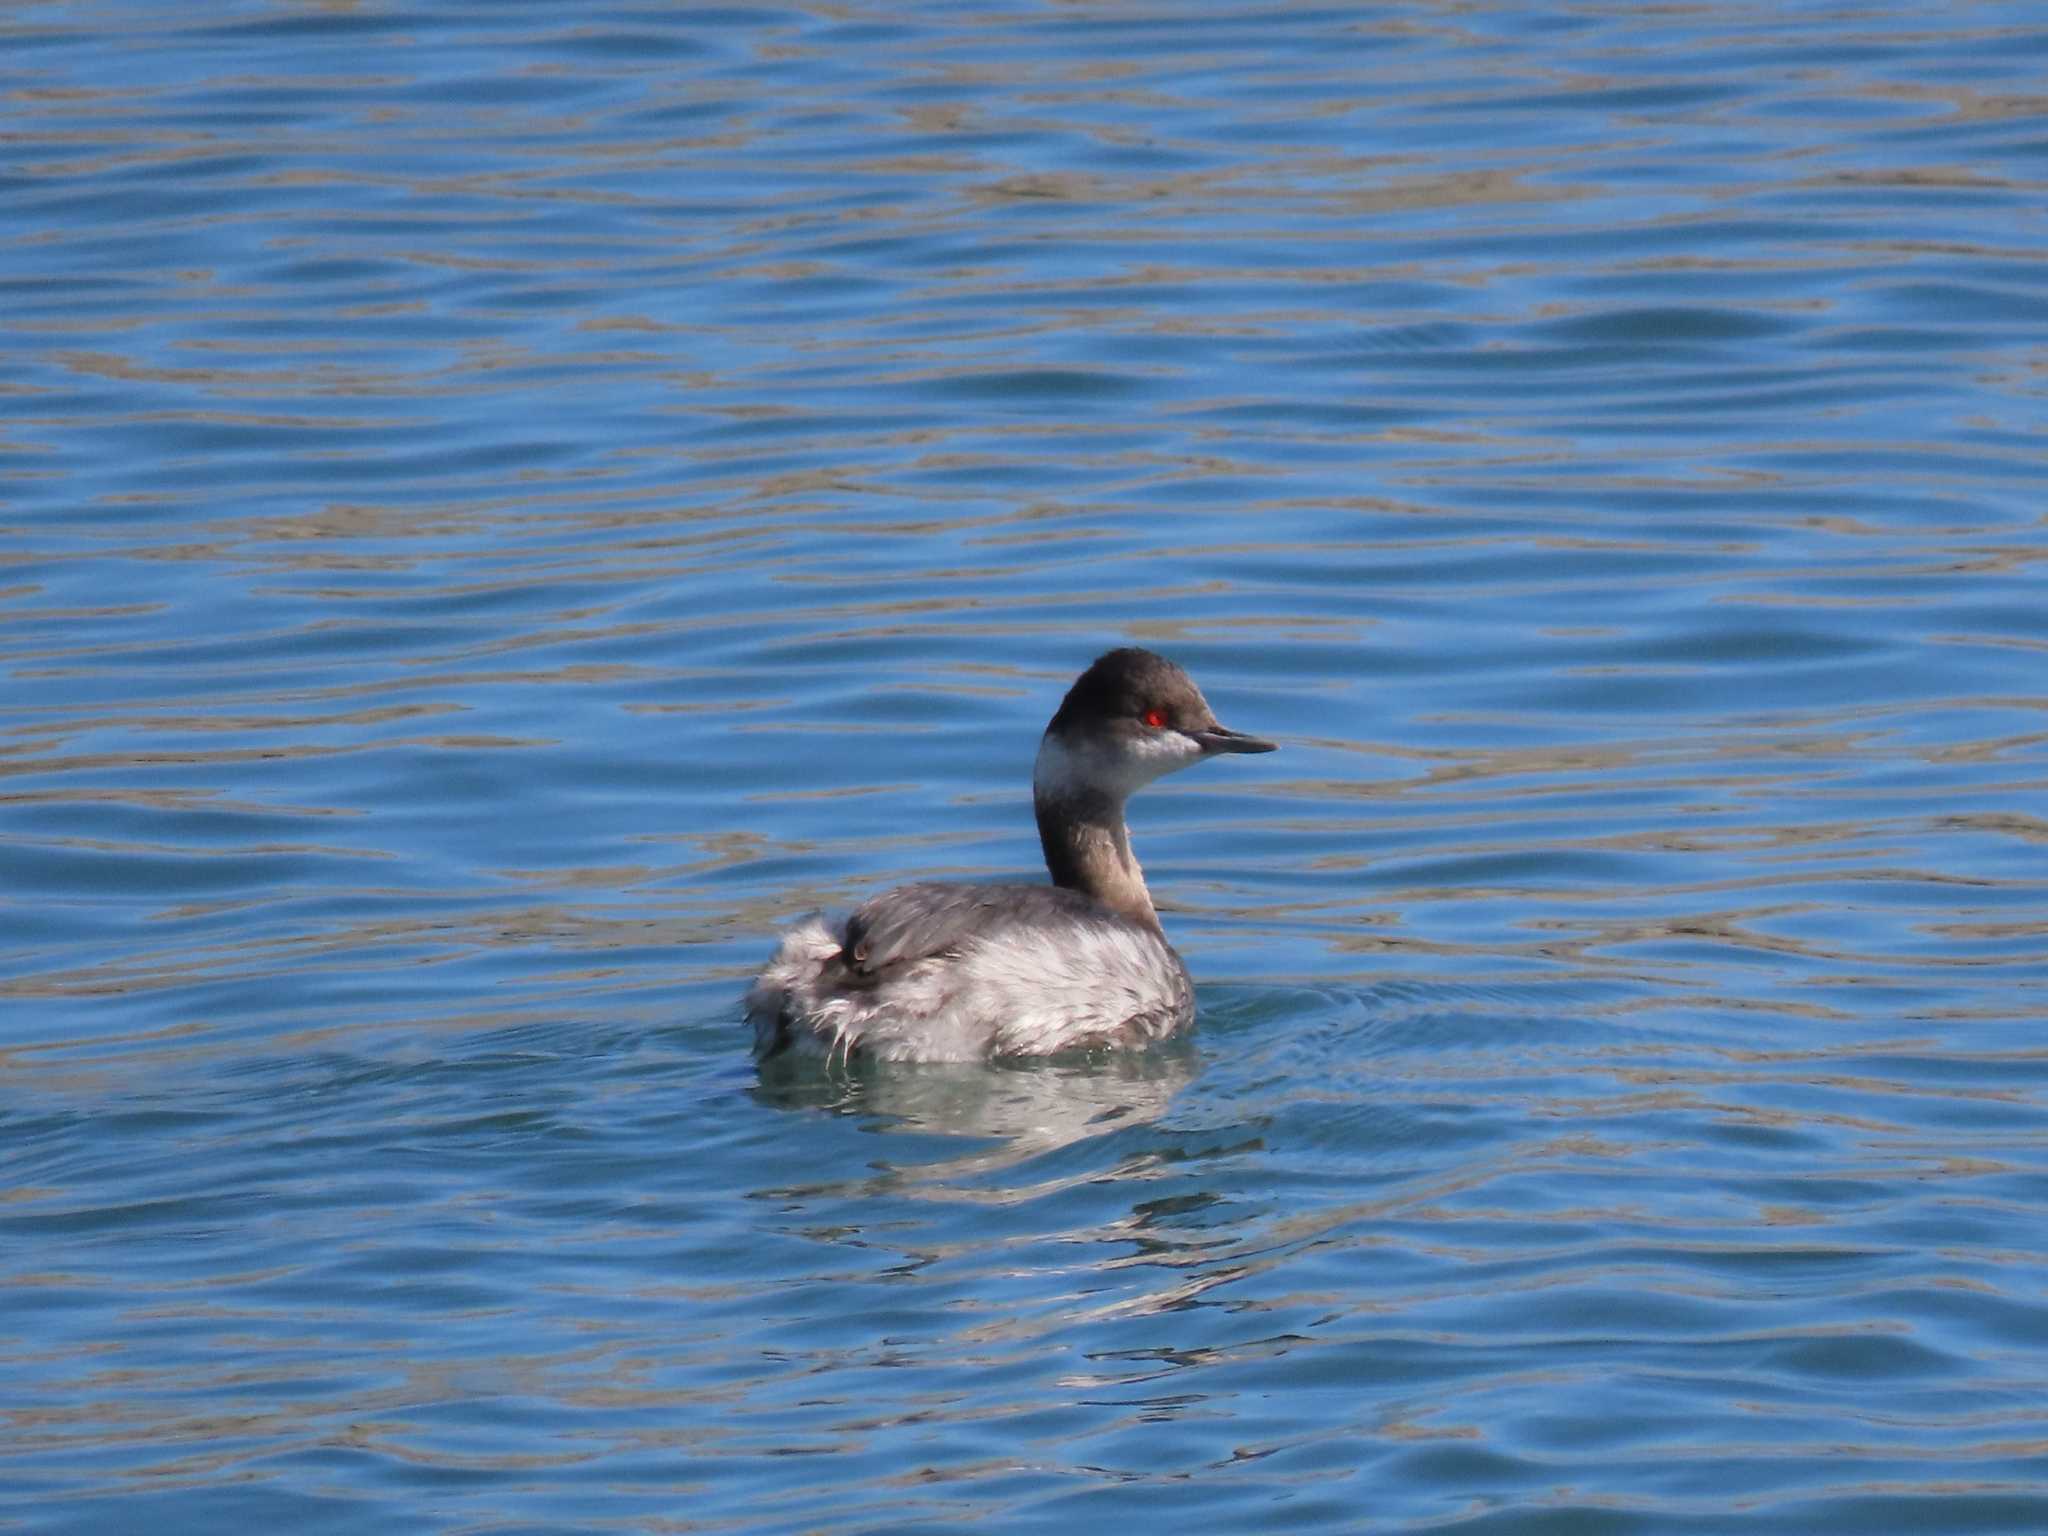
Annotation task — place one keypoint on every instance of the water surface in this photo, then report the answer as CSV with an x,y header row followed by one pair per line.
x,y
502,508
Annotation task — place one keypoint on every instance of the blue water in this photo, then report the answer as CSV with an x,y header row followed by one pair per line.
x,y
503,507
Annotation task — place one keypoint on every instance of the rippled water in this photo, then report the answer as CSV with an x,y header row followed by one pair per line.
x,y
501,507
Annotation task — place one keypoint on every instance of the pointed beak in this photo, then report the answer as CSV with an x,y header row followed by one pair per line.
x,y
1220,738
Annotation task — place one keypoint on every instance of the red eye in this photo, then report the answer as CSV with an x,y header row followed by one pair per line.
x,y
1156,718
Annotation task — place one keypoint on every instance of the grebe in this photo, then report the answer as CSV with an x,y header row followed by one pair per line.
x,y
968,972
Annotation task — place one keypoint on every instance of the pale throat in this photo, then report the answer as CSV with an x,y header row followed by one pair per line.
x,y
1080,808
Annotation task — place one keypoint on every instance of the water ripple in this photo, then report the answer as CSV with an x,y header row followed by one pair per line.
x,y
494,526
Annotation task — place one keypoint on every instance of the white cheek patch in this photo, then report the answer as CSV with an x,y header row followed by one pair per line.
x,y
1065,772
1158,752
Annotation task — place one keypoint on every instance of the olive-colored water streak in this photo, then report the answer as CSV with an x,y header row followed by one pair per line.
x,y
500,508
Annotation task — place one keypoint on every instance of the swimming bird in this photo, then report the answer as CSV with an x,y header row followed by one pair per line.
x,y
960,972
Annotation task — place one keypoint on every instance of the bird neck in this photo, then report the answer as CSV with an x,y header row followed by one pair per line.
x,y
1087,846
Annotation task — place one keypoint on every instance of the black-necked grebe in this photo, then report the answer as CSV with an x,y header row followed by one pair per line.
x,y
966,972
